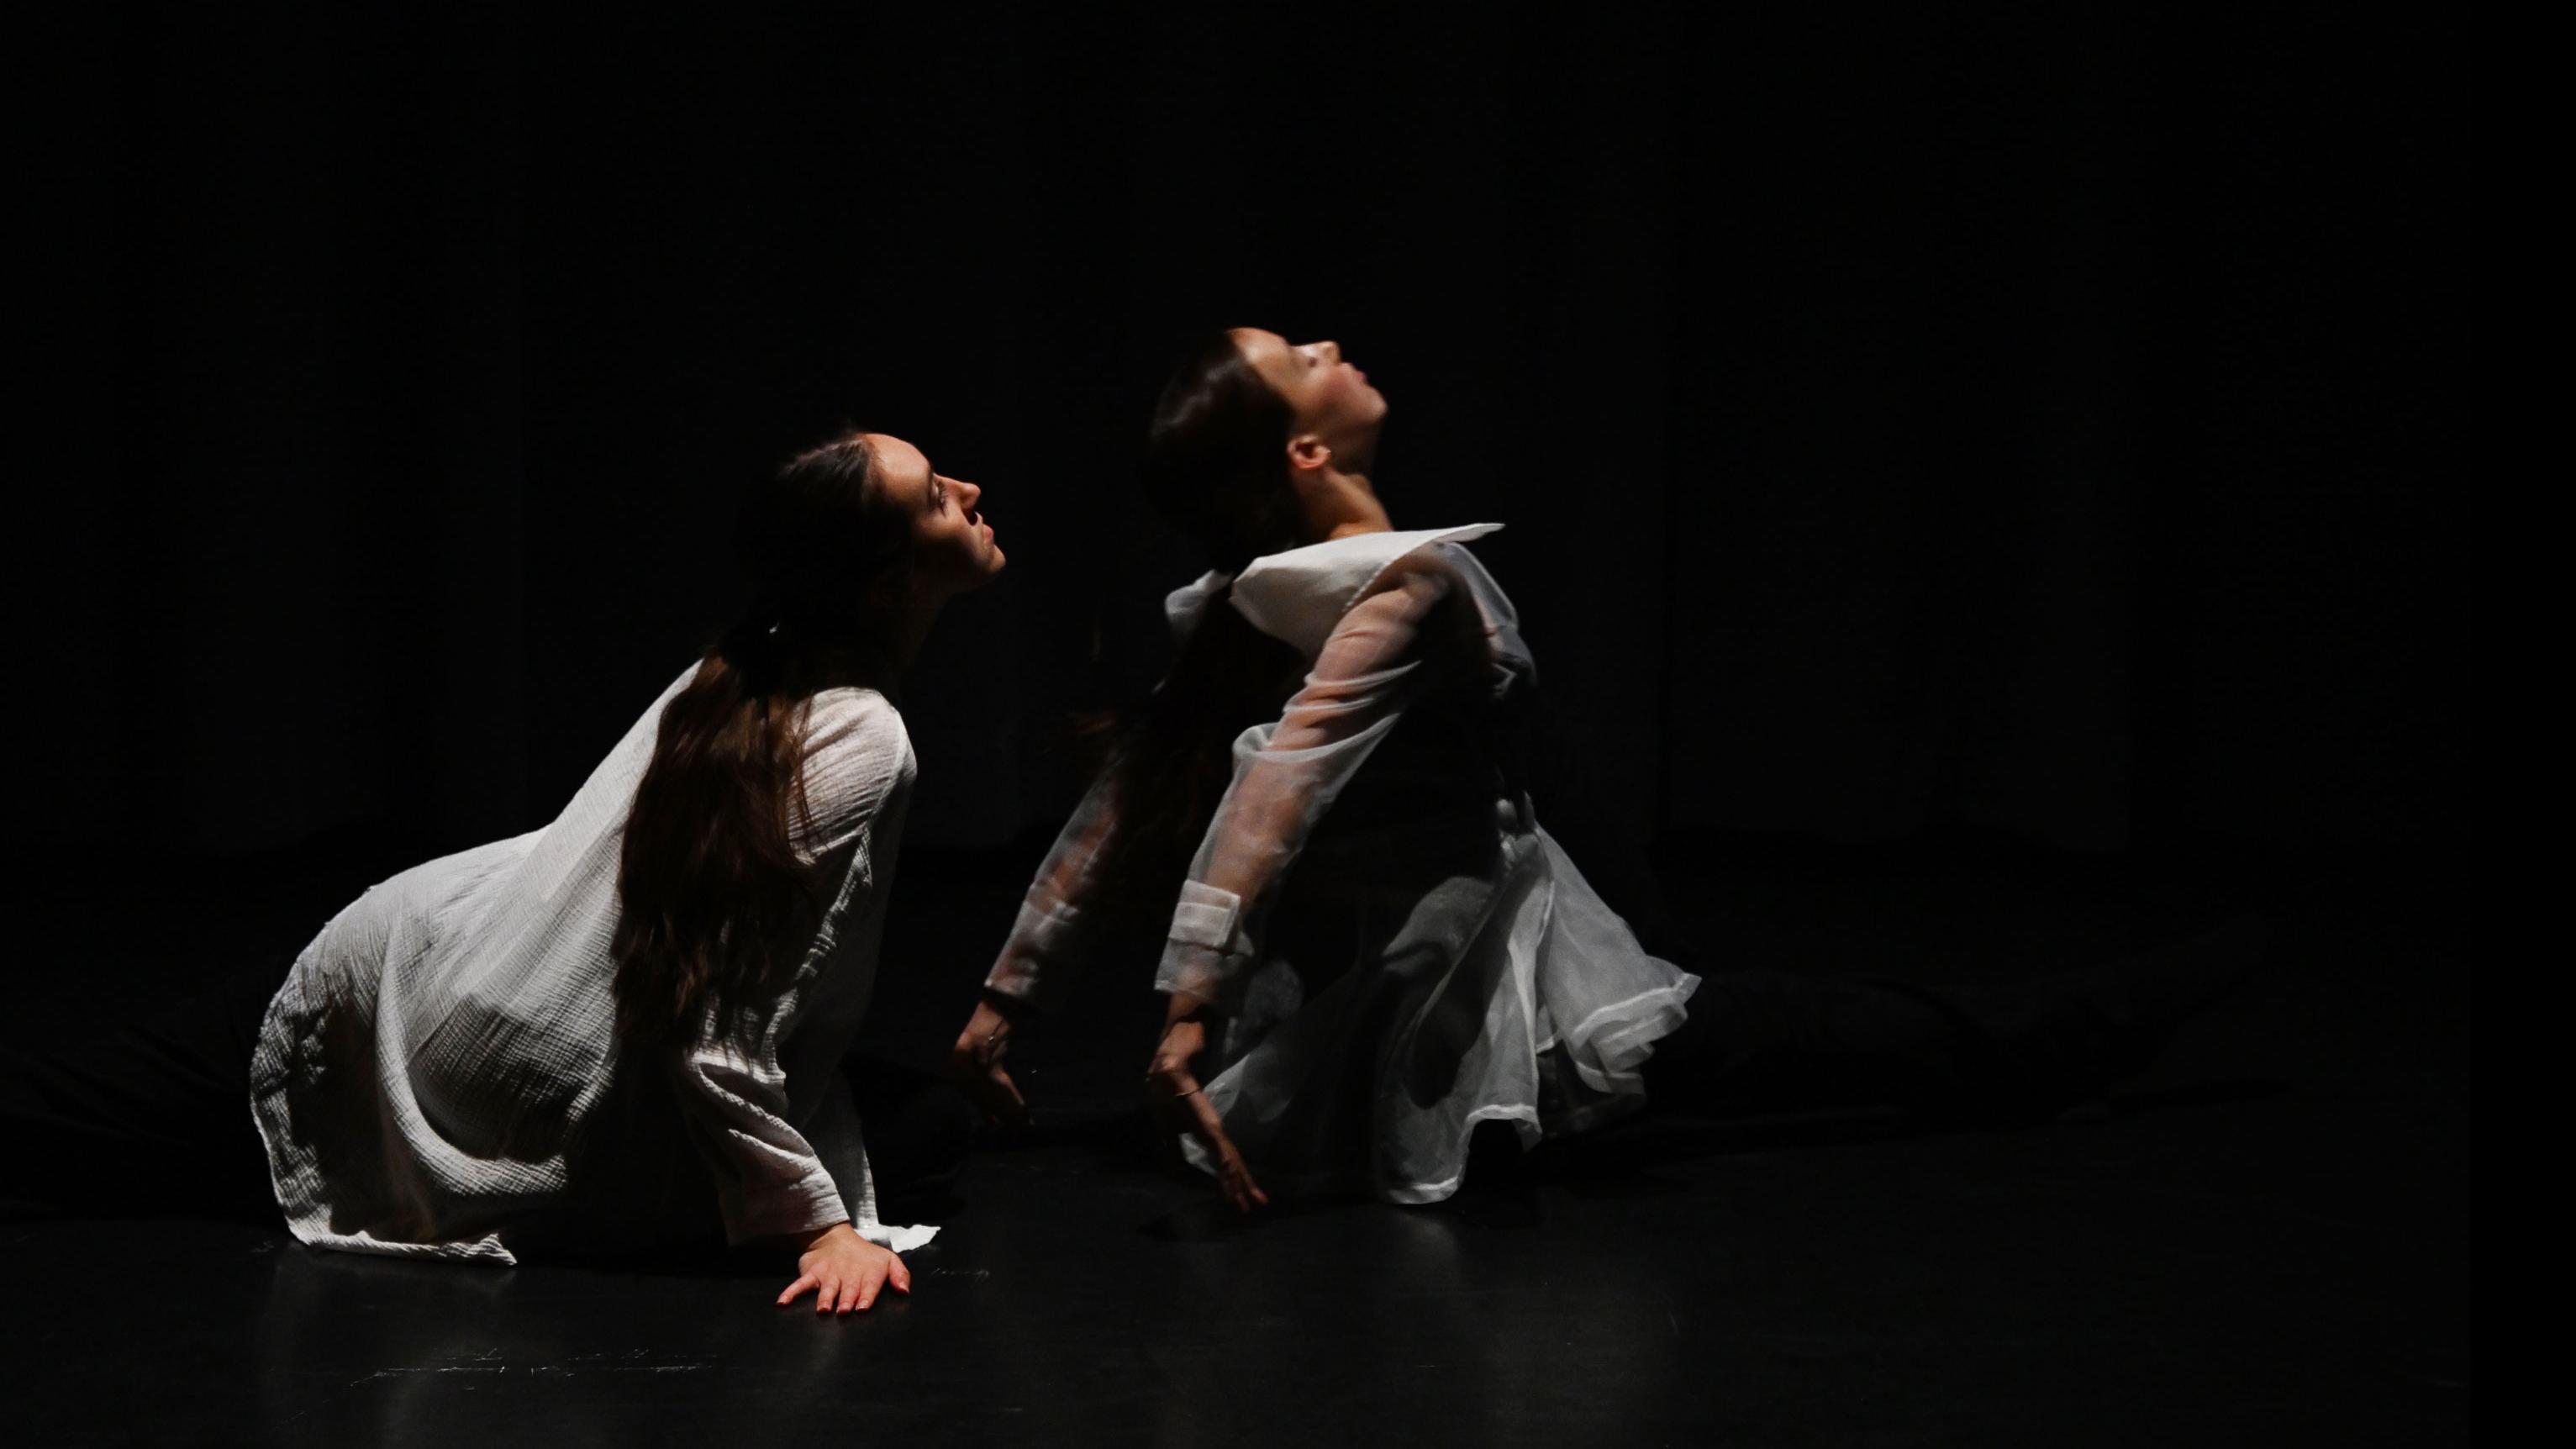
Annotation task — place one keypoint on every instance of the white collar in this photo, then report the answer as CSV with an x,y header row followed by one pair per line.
x,y
1298,595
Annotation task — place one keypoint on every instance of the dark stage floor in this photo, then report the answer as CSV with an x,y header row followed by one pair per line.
x,y
2268,1244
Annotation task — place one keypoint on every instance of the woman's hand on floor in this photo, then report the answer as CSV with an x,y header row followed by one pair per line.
x,y
1180,1105
846,1272
976,1063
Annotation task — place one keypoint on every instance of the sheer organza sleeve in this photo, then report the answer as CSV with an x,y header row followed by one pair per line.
x,y
1378,659
1050,942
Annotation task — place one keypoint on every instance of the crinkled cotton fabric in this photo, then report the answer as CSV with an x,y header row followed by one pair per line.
x,y
1397,949
439,1075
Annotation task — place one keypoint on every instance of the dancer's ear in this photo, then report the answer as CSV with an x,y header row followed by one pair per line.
x,y
1308,453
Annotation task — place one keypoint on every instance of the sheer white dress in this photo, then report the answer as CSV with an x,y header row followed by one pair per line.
x,y
1398,950
439,1075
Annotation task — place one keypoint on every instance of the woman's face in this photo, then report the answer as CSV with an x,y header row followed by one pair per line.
x,y
952,545
1331,398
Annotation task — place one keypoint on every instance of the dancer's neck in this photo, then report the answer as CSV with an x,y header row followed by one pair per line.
x,y
1342,505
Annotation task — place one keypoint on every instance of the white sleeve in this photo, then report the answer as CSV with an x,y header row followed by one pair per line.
x,y
732,1090
1050,942
769,1180
1371,668
835,1132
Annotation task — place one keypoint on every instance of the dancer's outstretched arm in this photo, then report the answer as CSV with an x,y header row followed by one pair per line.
x,y
730,1082
1049,945
1377,661
1370,670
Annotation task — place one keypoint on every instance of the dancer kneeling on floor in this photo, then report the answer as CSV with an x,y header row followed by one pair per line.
x,y
620,1031
1373,946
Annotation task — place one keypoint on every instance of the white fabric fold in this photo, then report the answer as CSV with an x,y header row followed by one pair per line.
x,y
440,1075
1298,596
1205,916
1424,969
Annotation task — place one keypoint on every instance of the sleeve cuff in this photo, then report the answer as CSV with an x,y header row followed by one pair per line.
x,y
1206,917
807,1205
1206,952
1043,955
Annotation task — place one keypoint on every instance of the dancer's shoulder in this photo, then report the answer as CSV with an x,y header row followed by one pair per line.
x,y
860,727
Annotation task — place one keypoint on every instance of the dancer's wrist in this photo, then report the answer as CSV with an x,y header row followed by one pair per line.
x,y
1183,1008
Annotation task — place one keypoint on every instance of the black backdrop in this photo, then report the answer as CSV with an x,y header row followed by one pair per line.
x,y
2047,418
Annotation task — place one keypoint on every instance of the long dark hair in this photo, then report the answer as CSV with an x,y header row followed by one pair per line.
x,y
1216,469
710,887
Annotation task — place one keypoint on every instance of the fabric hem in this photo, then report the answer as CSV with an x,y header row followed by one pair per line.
x,y
1404,1194
1619,1038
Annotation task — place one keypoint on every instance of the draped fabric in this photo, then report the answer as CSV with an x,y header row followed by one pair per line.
x,y
439,1075
1398,950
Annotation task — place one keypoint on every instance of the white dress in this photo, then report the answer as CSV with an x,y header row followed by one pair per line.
x,y
1398,950
439,1075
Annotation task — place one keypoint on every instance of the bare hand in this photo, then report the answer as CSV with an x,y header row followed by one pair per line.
x,y
1180,1105
846,1271
976,1064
